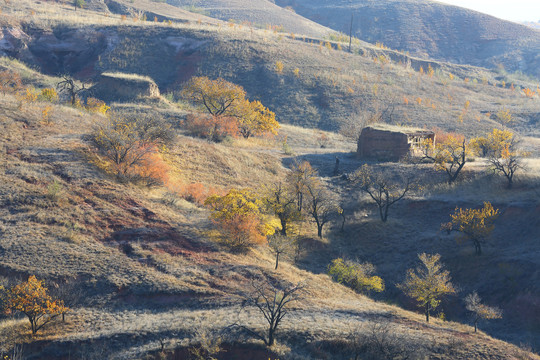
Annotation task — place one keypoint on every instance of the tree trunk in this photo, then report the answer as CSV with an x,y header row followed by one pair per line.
x,y
283,227
33,325
319,227
384,213
270,336
477,248
427,312
475,325
277,261
350,34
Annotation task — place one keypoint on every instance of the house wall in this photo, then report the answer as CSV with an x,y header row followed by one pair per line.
x,y
111,88
382,144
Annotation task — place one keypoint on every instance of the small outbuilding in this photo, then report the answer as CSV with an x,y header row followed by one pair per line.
x,y
391,142
124,87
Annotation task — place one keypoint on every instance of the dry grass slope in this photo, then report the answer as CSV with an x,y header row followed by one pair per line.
x,y
144,259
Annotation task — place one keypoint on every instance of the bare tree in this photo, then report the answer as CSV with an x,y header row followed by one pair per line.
x,y
70,292
381,188
301,174
70,87
280,245
480,311
273,302
380,340
322,205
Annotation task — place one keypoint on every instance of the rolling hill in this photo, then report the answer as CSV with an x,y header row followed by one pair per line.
x,y
430,29
330,86
142,266
259,13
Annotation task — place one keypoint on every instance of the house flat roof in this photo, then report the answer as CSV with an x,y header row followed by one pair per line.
x,y
400,129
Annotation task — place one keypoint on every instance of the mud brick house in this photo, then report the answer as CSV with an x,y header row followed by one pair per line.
x,y
390,142
124,87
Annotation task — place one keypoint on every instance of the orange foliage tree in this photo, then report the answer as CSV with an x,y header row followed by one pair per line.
x,y
131,146
32,299
214,128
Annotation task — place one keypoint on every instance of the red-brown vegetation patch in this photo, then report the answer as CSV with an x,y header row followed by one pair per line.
x,y
189,64
158,238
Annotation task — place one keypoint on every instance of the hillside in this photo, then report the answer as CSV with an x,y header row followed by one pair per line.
x,y
430,29
330,86
144,268
258,13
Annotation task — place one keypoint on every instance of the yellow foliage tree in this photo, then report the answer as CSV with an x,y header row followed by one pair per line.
x,y
279,67
238,214
358,276
505,116
428,283
480,311
32,299
96,106
255,119
49,94
448,154
500,147
475,224
46,113
215,96
221,98
281,200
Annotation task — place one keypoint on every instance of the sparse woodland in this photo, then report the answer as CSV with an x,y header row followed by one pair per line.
x,y
207,223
